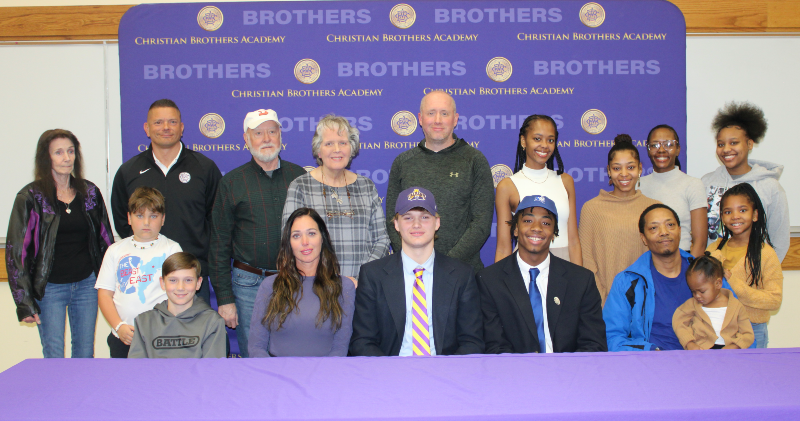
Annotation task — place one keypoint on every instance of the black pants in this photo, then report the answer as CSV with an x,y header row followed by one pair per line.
x,y
717,346
117,347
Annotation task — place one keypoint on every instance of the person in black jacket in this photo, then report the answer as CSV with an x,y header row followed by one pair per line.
x,y
563,314
57,236
187,179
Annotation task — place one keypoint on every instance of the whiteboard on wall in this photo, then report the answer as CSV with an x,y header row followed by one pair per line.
x,y
759,69
70,85
66,86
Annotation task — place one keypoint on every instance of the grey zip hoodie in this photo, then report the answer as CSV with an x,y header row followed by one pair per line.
x,y
198,332
763,176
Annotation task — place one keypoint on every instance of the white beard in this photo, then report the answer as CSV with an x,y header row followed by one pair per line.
x,y
265,157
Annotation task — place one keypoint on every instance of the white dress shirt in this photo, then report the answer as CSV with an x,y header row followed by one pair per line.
x,y
165,168
541,283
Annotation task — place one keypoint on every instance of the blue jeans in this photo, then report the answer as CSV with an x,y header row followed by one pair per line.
x,y
761,334
245,288
80,300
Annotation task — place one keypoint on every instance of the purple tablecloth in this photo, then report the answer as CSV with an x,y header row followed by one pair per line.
x,y
748,384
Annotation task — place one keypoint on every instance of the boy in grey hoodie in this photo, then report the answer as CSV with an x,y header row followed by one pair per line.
x,y
738,128
183,326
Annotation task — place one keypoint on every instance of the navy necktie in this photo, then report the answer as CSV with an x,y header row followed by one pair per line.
x,y
538,314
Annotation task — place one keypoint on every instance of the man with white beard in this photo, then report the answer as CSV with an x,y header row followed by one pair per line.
x,y
246,222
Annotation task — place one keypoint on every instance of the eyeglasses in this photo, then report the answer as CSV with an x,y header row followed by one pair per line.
x,y
666,144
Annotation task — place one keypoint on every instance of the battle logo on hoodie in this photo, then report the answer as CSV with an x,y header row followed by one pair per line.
x,y
175,342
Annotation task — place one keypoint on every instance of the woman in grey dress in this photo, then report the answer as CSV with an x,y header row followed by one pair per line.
x,y
307,308
348,202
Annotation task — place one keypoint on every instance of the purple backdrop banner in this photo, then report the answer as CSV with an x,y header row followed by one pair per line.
x,y
598,69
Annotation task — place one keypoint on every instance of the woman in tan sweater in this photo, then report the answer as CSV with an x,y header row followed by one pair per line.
x,y
751,265
609,233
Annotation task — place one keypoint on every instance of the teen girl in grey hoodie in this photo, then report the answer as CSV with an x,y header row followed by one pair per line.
x,y
738,128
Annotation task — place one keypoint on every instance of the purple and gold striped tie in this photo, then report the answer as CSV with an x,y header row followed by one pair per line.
x,y
421,343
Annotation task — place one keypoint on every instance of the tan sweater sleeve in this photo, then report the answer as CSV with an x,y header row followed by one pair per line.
x,y
744,337
682,323
770,294
586,236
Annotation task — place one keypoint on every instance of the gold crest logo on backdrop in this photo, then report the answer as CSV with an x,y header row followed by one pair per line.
x,y
499,69
306,71
402,16
592,15
212,125
404,123
499,172
210,18
593,121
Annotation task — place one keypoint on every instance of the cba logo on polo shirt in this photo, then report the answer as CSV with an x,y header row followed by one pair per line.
x,y
212,125
306,71
499,69
404,123
402,16
209,18
499,172
592,15
594,121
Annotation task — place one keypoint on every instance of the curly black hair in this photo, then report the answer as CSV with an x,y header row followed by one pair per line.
x,y
744,115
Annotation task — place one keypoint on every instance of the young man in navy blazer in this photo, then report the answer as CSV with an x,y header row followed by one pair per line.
x,y
563,313
416,301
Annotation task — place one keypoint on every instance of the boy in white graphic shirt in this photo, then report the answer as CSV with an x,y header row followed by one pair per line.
x,y
127,284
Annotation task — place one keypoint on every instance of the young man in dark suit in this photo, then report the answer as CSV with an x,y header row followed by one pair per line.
x,y
560,312
416,301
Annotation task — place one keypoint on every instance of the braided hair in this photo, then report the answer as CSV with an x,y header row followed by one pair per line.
x,y
678,140
523,131
758,231
709,266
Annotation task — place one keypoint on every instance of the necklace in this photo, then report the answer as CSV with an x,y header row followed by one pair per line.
x,y
61,196
142,247
335,196
525,173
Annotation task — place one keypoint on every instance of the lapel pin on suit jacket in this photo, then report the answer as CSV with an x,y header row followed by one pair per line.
x,y
558,302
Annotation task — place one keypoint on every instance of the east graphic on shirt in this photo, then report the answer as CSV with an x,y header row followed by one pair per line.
x,y
135,276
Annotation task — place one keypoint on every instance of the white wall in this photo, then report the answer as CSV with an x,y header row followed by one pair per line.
x,y
67,86
759,69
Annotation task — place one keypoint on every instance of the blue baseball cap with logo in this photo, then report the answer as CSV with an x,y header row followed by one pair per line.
x,y
415,197
538,201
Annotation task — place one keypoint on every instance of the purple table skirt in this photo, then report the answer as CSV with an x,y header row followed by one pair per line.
x,y
685,385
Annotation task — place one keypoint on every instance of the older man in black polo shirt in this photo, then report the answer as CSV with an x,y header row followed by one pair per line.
x,y
246,222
